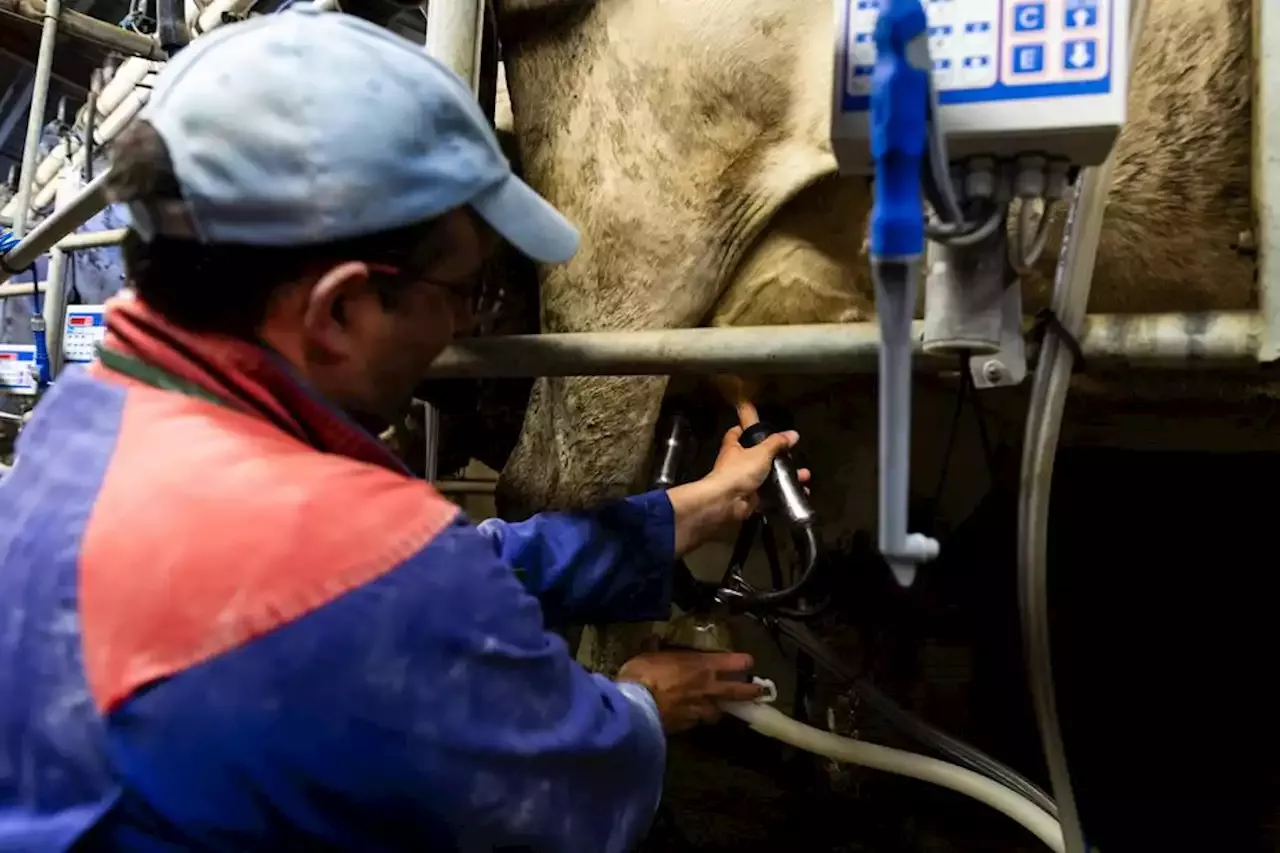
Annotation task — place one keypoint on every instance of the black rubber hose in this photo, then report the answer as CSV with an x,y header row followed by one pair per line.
x,y
911,725
171,26
748,599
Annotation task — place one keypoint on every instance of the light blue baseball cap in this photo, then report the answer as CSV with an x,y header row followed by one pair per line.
x,y
307,127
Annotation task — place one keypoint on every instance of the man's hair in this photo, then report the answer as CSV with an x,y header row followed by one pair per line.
x,y
225,287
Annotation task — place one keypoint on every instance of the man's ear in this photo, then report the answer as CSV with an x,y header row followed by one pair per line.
x,y
326,321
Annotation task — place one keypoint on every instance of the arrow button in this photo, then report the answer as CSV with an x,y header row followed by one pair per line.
x,y
1081,15
1080,55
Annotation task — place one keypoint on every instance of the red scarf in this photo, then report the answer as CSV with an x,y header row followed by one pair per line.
x,y
246,376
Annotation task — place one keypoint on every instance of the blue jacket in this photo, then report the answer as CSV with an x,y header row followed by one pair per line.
x,y
221,633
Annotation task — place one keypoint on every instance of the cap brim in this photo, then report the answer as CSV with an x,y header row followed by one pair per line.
x,y
527,221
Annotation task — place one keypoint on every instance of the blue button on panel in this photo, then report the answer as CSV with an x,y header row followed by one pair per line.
x,y
1080,54
1028,59
941,64
977,61
1028,17
1081,14
977,27
863,70
868,4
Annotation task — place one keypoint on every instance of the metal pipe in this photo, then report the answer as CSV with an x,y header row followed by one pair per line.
x,y
90,116
57,225
112,125
466,487
65,82
87,28
55,299
92,239
1137,341
1266,171
35,119
454,36
93,197
20,290
111,102
430,442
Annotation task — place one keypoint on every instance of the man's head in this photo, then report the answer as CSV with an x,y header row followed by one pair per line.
x,y
318,183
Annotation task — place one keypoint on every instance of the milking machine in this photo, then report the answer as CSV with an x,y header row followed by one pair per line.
x,y
979,108
989,111
706,606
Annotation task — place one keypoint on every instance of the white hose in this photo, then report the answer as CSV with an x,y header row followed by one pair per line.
x,y
771,722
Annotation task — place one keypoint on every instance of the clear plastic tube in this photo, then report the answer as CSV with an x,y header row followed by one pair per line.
x,y
911,725
1070,300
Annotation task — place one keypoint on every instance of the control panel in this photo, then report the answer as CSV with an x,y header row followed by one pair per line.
x,y
18,369
1011,77
85,329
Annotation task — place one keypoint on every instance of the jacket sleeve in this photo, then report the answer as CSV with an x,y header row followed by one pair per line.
x,y
428,709
610,565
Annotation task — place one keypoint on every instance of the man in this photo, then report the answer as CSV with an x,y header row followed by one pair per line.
x,y
228,619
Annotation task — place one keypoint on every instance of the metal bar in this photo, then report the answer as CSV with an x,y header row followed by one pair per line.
x,y
57,225
1139,341
88,28
65,82
454,36
93,197
1266,171
454,29
73,161
466,487
20,290
35,118
55,299
90,116
92,239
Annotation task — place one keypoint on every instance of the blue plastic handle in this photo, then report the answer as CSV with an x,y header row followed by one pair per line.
x,y
899,131
44,368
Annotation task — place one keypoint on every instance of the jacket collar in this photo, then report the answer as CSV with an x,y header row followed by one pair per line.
x,y
244,375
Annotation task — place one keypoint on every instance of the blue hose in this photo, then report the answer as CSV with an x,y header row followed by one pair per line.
x,y
44,367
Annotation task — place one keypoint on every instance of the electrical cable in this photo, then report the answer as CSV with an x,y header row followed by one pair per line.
x,y
1022,256
975,236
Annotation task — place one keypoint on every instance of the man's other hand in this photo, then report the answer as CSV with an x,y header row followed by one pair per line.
x,y
688,686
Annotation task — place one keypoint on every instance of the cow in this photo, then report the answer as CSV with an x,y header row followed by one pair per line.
x,y
689,140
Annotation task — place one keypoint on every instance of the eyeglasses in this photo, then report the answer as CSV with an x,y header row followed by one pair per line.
x,y
483,298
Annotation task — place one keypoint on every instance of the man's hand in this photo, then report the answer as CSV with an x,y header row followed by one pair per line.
x,y
687,686
729,492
